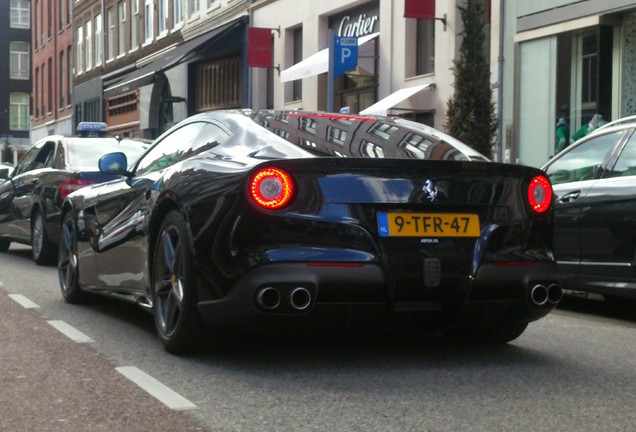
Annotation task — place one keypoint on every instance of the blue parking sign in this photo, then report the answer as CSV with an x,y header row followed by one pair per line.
x,y
345,54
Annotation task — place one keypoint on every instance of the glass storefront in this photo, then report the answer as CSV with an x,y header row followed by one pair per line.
x,y
357,89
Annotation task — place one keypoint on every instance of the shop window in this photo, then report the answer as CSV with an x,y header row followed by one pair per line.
x,y
92,111
357,88
218,85
122,104
589,70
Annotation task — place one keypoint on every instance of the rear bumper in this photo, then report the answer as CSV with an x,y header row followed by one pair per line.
x,y
296,296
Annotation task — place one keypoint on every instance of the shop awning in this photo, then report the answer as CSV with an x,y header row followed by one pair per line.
x,y
315,64
381,107
146,74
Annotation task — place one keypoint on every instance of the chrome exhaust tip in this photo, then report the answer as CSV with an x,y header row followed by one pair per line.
x,y
300,298
268,298
555,293
539,295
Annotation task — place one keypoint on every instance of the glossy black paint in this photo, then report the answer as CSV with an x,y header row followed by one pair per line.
x,y
595,212
326,240
34,185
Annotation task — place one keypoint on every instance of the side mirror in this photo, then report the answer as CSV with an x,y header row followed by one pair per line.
x,y
114,163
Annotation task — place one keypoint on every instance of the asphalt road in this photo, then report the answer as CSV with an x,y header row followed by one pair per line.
x,y
574,370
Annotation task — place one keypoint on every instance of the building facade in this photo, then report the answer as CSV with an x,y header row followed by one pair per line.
x,y
52,65
143,65
404,64
15,105
573,59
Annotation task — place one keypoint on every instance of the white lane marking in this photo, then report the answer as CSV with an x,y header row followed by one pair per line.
x,y
164,394
23,301
70,331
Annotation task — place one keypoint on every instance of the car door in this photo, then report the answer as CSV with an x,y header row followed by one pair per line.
x,y
608,221
574,173
123,212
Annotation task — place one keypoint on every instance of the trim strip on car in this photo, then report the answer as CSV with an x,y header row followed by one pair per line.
x,y
594,263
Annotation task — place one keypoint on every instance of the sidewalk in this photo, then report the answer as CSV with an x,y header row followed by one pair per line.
x,y
51,383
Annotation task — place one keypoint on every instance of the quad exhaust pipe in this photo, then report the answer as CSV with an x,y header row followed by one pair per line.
x,y
542,295
300,298
270,299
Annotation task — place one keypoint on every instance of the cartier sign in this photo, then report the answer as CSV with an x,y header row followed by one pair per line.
x,y
360,26
357,22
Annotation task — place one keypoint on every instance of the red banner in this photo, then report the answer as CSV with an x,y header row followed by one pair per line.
x,y
422,9
259,47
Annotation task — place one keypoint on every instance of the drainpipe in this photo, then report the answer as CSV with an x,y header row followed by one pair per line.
x,y
500,133
250,76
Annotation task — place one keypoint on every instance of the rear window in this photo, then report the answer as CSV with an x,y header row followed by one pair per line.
x,y
368,137
84,153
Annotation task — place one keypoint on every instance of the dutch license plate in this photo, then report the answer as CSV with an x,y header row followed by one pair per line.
x,y
428,224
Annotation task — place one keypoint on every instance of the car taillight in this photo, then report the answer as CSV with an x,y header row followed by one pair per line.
x,y
271,188
540,194
67,186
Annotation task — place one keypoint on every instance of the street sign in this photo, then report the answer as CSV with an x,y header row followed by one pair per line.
x,y
345,54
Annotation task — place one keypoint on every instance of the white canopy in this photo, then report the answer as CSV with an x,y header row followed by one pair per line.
x,y
381,107
315,64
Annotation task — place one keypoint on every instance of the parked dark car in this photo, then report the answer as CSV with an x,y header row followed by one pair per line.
x,y
31,199
225,224
594,181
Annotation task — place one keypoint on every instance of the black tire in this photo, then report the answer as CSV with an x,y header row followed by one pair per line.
x,y
499,334
177,320
42,250
4,245
68,264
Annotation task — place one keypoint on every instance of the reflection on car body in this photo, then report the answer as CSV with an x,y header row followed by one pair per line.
x,y
225,224
595,211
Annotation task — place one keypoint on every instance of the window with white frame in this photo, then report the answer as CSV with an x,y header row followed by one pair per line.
x,y
99,41
134,25
79,57
20,14
193,8
148,21
19,111
111,33
19,60
162,22
121,6
212,3
88,48
177,13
